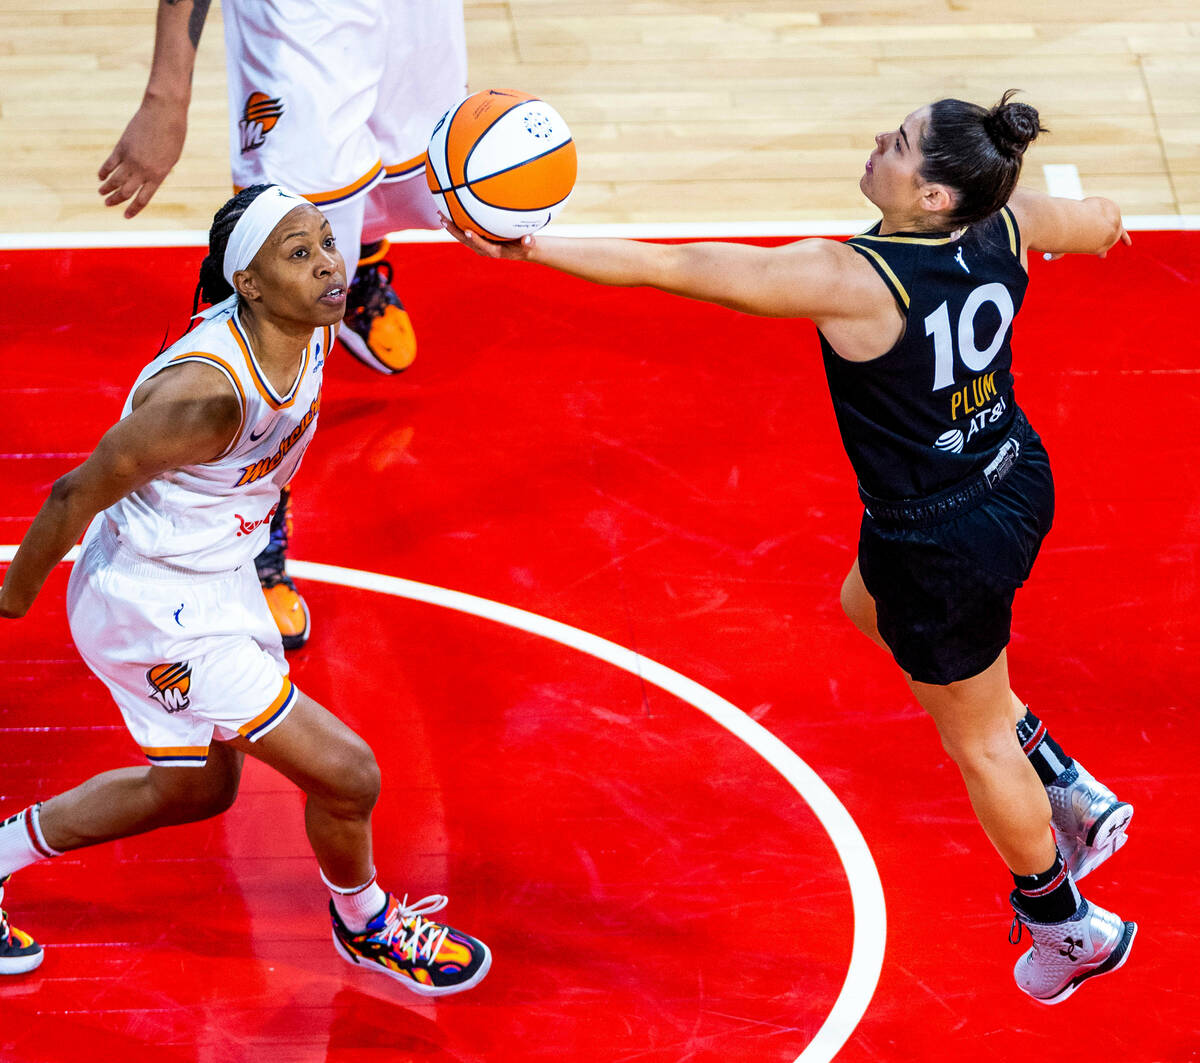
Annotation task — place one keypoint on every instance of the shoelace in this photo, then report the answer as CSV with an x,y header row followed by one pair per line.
x,y
372,283
405,927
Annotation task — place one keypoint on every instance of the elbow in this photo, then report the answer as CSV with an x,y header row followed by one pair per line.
x,y
63,490
70,500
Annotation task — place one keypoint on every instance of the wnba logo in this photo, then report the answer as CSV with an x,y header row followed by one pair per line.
x,y
258,119
169,685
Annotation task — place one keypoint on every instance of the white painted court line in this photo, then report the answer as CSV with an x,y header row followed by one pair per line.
x,y
42,241
866,890
1062,181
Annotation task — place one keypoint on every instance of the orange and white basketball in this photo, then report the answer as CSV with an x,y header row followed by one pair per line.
x,y
501,163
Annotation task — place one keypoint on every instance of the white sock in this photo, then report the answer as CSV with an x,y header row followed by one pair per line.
x,y
357,905
21,841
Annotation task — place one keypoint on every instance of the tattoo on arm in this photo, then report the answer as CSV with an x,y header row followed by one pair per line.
x,y
196,19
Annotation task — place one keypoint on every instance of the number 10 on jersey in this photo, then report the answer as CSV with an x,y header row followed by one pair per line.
x,y
939,327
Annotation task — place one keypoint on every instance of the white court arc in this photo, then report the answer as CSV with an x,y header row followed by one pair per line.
x,y
866,890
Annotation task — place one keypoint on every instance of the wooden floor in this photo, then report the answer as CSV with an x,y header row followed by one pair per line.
x,y
684,110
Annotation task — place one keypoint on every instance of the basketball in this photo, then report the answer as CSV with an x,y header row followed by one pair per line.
x,y
501,163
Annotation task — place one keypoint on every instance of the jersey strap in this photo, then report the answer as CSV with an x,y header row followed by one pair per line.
x,y
224,367
899,293
862,244
1014,232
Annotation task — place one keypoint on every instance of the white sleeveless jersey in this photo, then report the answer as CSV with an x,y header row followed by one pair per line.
x,y
216,516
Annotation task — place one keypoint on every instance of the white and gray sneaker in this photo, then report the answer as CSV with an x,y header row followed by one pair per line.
x,y
1089,822
1065,955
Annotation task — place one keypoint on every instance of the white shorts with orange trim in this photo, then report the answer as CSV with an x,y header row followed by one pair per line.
x,y
330,97
186,657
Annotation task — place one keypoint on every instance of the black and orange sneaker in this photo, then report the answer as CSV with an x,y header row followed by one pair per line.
x,y
19,953
376,328
287,606
428,958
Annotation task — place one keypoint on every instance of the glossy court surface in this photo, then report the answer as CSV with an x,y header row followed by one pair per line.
x,y
666,476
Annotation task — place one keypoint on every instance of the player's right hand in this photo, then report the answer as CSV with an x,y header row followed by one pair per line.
x,y
148,149
520,248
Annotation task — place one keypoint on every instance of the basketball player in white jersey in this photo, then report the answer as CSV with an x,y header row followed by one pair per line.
x,y
165,606
335,100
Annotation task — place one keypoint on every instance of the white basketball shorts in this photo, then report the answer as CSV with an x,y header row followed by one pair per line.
x,y
186,656
330,97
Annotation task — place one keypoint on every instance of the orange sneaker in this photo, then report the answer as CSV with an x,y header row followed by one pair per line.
x,y
287,606
377,329
289,610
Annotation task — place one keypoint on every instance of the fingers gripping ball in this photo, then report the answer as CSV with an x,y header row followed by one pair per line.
x,y
501,163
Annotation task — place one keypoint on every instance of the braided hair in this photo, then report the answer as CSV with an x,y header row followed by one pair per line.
x,y
213,286
977,152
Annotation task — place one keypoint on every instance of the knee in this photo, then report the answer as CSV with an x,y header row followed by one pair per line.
x,y
980,754
354,777
192,800
220,796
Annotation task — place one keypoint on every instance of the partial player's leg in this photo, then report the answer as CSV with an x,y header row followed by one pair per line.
x,y
338,773
287,606
115,804
1009,783
1073,940
128,801
1089,821
974,721
376,328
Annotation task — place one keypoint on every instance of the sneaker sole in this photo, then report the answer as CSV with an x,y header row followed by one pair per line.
x,y
408,983
357,346
1116,960
1107,836
296,642
1113,822
21,964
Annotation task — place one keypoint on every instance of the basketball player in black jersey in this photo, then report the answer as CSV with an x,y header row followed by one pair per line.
x,y
914,319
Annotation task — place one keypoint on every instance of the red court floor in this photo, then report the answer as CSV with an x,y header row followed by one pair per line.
x,y
666,476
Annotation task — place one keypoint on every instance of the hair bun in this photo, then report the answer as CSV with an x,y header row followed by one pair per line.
x,y
1012,126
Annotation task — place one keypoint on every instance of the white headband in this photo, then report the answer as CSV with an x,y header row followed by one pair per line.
x,y
255,225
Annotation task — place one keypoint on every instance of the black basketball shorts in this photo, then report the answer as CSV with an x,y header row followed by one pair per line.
x,y
944,592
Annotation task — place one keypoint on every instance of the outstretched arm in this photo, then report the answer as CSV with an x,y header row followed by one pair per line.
x,y
153,139
187,416
802,279
1067,226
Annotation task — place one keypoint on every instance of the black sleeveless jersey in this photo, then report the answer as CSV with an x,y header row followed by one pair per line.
x,y
933,409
